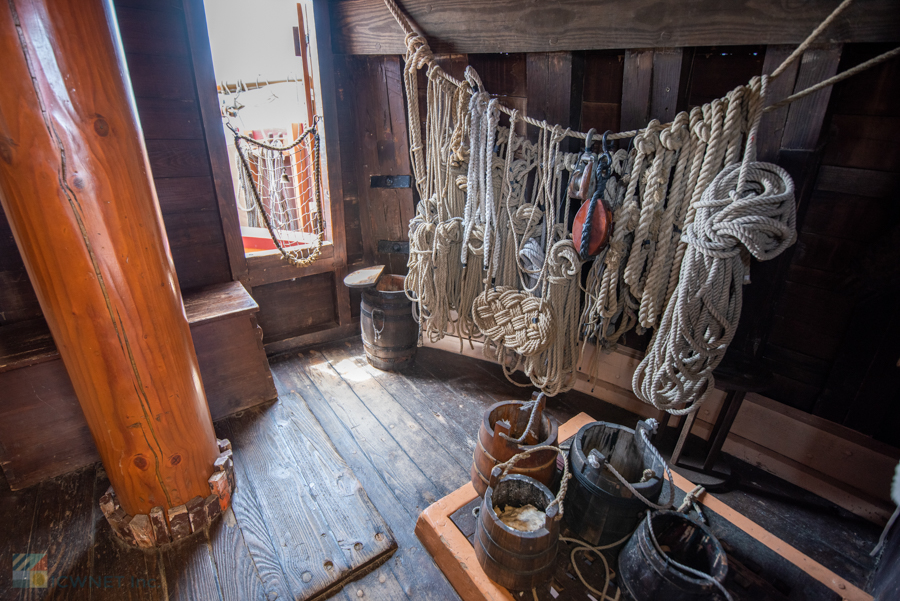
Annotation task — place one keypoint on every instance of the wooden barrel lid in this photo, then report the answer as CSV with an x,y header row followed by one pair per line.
x,y
365,277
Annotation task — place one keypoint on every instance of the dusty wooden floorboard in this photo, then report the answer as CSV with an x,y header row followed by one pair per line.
x,y
310,553
17,512
411,565
360,532
246,509
189,571
410,484
111,560
418,392
63,529
427,451
236,572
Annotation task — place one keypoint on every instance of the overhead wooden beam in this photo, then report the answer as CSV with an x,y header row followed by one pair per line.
x,y
476,26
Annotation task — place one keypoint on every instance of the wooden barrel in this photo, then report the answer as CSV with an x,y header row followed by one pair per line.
x,y
492,448
646,575
600,509
389,332
514,559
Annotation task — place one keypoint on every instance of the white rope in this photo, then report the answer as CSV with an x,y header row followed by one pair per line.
x,y
748,208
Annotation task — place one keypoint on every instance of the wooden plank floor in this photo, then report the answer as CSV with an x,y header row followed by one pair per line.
x,y
408,440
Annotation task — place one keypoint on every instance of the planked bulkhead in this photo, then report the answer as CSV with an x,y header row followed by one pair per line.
x,y
581,65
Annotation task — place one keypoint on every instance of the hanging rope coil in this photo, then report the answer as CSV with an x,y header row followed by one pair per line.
x,y
676,375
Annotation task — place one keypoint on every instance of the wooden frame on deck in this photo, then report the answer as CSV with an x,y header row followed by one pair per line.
x,y
453,553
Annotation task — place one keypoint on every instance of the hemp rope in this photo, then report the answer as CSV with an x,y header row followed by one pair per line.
x,y
749,207
563,484
640,270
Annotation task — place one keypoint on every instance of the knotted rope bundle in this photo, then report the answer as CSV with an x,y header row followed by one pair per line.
x,y
520,322
676,375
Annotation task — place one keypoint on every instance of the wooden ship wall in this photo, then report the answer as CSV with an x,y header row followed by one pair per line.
x,y
823,316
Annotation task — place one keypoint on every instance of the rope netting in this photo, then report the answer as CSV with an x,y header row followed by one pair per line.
x,y
280,190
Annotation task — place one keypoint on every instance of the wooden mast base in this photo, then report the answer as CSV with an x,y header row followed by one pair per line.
x,y
155,530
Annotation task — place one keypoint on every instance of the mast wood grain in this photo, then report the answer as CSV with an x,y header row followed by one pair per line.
x,y
75,185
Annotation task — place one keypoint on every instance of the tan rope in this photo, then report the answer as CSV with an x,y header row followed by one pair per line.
x,y
835,79
563,485
798,52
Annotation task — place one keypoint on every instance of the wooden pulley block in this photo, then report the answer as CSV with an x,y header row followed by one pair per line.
x,y
594,219
601,224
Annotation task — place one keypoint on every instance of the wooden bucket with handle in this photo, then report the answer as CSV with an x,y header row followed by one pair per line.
x,y
502,425
515,559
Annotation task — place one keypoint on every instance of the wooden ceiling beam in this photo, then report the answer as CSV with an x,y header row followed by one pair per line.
x,y
478,26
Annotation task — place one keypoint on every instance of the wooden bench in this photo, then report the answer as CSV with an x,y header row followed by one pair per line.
x,y
42,429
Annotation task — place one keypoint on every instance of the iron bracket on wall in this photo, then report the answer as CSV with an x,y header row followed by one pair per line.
x,y
399,247
391,181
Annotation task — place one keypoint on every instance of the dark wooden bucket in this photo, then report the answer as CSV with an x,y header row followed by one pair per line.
x,y
647,576
514,559
600,509
491,449
389,332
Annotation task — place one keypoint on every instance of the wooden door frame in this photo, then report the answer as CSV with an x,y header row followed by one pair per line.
x,y
262,269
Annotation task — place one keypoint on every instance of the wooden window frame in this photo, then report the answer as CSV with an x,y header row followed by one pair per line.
x,y
261,268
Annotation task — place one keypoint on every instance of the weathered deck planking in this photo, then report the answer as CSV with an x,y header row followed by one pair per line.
x,y
308,528
63,529
407,389
238,576
254,531
412,486
402,425
412,566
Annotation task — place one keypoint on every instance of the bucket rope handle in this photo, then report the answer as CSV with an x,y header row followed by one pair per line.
x,y
533,405
643,433
680,566
501,470
378,330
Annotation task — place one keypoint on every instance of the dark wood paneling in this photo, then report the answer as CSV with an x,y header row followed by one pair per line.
x,y
718,70
178,158
158,31
636,81
17,298
603,70
664,93
864,142
288,308
201,265
271,267
366,27
381,149
502,74
805,117
345,90
186,195
168,77
163,119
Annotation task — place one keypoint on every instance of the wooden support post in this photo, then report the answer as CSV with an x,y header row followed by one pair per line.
x,y
75,185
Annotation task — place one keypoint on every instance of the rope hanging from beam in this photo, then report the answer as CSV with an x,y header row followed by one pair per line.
x,y
491,253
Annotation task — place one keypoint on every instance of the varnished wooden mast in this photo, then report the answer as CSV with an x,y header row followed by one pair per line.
x,y
75,184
